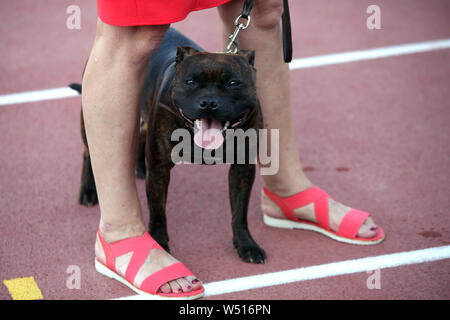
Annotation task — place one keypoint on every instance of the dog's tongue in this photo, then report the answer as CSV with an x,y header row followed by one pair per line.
x,y
210,134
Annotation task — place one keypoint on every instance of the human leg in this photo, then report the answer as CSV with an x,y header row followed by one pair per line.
x,y
112,83
264,36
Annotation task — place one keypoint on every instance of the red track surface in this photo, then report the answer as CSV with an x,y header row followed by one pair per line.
x,y
374,134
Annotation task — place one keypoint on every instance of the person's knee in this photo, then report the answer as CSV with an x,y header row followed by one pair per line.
x,y
144,42
267,13
132,45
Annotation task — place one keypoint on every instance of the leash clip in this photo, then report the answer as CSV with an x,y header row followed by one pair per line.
x,y
232,47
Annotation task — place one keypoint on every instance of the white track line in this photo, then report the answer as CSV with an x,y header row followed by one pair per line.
x,y
38,95
321,271
300,63
376,53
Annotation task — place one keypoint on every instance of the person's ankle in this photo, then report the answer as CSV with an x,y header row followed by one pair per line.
x,y
286,186
116,231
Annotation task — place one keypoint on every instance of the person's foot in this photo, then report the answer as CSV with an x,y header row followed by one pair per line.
x,y
156,260
337,211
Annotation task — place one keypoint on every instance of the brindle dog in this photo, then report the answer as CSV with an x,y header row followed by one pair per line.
x,y
187,88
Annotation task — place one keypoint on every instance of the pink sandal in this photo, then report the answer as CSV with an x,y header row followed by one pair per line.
x,y
348,229
141,247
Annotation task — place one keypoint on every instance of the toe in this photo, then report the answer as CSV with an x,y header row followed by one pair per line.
x,y
185,285
175,286
195,282
165,288
368,230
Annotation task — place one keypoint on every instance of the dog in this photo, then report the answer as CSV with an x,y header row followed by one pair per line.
x,y
204,96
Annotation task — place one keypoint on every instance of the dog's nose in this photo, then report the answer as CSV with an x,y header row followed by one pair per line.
x,y
208,104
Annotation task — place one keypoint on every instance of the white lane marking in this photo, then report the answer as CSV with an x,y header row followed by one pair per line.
x,y
321,271
37,95
376,53
300,63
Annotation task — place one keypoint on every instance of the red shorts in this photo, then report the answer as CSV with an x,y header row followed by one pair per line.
x,y
149,12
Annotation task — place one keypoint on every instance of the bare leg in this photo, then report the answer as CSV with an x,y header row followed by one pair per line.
x,y
111,86
264,36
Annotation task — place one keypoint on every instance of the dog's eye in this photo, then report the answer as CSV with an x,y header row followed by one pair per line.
x,y
189,82
233,83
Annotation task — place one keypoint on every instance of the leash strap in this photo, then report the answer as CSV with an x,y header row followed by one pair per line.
x,y
248,6
286,29
287,33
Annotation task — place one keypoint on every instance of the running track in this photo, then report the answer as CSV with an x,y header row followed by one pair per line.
x,y
373,132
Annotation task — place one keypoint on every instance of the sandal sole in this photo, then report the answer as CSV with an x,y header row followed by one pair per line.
x,y
287,224
101,268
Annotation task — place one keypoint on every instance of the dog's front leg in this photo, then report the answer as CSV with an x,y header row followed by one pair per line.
x,y
240,181
157,184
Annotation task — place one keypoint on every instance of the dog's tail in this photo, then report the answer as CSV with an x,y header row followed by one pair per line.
x,y
76,87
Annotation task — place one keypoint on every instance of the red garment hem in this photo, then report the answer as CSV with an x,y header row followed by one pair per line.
x,y
127,13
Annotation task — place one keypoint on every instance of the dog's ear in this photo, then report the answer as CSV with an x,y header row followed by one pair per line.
x,y
249,55
183,52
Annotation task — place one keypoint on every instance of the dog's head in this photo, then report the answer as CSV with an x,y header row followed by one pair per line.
x,y
214,90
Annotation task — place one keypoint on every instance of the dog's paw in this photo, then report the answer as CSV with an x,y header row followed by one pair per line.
x,y
88,197
251,253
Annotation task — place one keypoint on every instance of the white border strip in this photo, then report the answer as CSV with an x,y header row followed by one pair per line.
x,y
321,271
300,63
376,53
38,95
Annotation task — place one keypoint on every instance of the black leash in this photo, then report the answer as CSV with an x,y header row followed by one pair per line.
x,y
286,29
287,34
248,6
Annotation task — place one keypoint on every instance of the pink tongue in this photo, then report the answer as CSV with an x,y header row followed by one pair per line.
x,y
210,135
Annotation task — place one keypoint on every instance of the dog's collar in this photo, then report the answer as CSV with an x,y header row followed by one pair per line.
x,y
180,116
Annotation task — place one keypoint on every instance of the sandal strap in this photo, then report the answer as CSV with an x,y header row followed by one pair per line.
x,y
154,281
140,246
312,195
110,259
352,222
